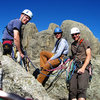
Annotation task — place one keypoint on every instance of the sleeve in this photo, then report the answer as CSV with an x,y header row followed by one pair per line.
x,y
17,25
53,51
60,50
86,44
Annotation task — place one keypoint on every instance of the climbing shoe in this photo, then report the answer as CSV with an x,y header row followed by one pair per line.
x,y
36,73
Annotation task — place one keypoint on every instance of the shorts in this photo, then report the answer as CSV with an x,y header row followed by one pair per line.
x,y
78,85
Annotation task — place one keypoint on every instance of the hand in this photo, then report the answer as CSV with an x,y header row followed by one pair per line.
x,y
22,55
49,60
81,71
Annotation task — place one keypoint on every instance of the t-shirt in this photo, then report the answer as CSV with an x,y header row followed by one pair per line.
x,y
13,24
80,53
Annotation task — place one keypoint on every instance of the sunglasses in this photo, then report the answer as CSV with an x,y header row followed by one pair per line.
x,y
75,34
56,33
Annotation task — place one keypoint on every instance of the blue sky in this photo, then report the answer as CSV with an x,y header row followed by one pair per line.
x,y
53,11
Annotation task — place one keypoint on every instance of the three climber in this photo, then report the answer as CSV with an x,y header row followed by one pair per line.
x,y
81,53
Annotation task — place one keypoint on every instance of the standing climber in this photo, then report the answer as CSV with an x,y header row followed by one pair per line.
x,y
81,53
12,33
50,60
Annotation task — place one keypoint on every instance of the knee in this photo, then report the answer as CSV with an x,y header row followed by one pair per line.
x,y
42,52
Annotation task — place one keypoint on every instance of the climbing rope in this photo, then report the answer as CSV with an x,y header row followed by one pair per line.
x,y
70,71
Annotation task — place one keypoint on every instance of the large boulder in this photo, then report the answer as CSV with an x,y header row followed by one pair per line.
x,y
18,81
28,32
52,26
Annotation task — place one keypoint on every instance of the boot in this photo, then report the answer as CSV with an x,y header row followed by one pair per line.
x,y
36,73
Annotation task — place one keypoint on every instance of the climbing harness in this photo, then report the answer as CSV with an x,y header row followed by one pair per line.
x,y
60,67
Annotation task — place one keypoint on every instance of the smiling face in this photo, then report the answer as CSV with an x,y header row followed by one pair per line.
x,y
24,18
58,35
76,36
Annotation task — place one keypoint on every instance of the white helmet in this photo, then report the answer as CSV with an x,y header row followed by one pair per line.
x,y
28,13
75,30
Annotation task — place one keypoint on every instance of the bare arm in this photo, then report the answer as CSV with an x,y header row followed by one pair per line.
x,y
17,42
87,60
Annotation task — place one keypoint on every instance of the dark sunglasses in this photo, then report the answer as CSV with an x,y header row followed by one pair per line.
x,y
74,34
56,33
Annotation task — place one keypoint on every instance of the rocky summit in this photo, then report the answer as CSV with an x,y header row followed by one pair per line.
x,y
17,80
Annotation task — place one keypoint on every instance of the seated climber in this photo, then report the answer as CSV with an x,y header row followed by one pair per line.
x,y
50,60
12,33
